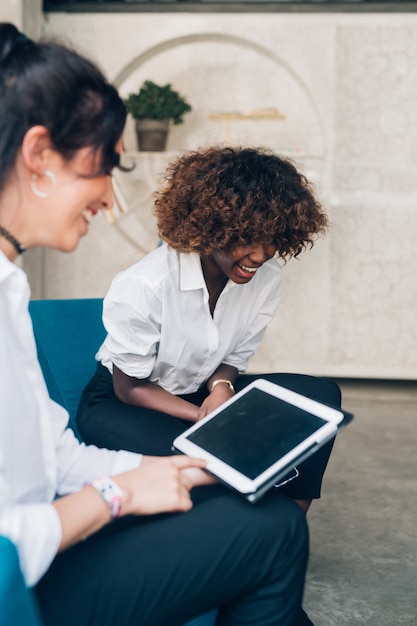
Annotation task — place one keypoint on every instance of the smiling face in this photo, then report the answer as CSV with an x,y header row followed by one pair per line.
x,y
77,198
49,200
241,263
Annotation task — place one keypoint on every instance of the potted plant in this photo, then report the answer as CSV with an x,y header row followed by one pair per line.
x,y
153,107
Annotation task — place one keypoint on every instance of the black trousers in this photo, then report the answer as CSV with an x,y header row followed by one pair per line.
x,y
248,560
107,422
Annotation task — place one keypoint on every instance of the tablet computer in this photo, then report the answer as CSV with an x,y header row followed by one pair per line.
x,y
255,439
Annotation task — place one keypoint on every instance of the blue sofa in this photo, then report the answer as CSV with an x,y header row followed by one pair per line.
x,y
67,333
17,603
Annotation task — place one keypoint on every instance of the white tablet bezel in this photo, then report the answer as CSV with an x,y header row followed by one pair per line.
x,y
239,481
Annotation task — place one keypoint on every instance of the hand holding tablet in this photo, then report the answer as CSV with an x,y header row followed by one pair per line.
x,y
254,440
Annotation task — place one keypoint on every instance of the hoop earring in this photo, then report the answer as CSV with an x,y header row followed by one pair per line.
x,y
52,180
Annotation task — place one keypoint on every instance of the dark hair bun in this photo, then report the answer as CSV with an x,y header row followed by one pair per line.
x,y
48,84
12,39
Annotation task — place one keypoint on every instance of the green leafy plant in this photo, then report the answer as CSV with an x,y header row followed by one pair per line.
x,y
156,102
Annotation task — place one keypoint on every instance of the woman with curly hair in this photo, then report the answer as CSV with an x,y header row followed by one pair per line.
x,y
183,323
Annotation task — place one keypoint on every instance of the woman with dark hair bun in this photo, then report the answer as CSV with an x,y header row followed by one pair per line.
x,y
107,537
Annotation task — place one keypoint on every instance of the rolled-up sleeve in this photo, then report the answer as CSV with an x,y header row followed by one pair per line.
x,y
36,531
133,325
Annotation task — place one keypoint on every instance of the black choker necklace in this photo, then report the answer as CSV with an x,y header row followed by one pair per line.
x,y
17,246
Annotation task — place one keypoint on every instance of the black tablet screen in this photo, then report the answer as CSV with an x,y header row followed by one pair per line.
x,y
255,431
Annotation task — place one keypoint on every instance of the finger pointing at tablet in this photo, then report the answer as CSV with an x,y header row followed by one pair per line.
x,y
160,485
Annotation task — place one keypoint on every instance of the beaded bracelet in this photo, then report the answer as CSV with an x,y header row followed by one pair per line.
x,y
111,494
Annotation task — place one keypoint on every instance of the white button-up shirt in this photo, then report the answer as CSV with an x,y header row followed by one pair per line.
x,y
159,325
39,456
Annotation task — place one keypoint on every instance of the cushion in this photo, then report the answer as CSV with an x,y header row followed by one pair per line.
x,y
68,334
17,603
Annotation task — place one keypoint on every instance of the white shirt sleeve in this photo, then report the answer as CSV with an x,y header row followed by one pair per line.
x,y
36,531
35,526
132,318
39,456
78,463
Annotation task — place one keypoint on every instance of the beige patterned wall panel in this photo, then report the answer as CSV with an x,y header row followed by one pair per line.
x,y
375,109
374,289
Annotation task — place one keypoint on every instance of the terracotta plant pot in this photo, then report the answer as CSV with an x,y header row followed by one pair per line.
x,y
152,134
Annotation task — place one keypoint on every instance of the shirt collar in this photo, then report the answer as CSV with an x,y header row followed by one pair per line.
x,y
8,268
191,273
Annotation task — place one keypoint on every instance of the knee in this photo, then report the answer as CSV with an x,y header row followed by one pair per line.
x,y
288,537
323,390
331,392
281,521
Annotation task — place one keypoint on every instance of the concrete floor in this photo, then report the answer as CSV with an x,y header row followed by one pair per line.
x,y
363,563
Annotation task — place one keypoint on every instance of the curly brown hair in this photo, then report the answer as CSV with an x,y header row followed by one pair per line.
x,y
221,197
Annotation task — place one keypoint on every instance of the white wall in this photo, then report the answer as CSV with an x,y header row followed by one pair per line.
x,y
347,86
25,14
